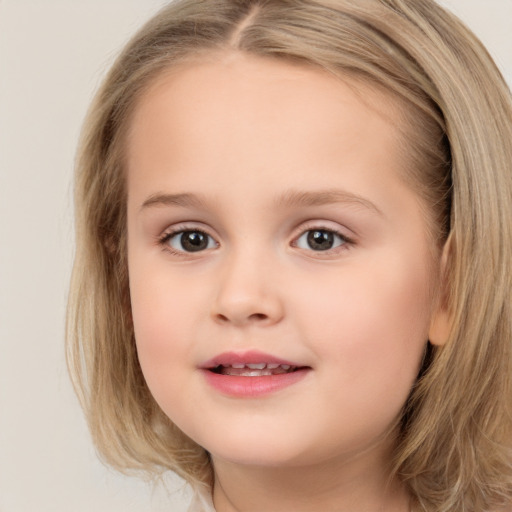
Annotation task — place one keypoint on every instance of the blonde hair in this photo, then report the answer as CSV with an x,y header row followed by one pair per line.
x,y
454,451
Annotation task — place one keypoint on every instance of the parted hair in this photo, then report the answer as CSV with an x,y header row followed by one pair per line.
x,y
454,450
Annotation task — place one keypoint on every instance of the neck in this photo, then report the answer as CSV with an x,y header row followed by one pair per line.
x,y
356,486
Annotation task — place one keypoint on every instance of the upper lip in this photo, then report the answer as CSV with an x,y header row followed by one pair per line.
x,y
249,357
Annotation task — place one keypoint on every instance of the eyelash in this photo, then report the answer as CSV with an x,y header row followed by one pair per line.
x,y
346,242
164,240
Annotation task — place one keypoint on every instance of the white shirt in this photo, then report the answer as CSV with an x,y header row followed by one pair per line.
x,y
201,503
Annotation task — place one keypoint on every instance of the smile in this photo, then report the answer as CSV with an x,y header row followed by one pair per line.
x,y
251,374
253,369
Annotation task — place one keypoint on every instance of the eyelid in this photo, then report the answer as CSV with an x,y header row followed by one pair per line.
x,y
176,229
310,225
322,225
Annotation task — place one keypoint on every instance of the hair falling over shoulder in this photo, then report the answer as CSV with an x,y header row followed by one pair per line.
x,y
455,448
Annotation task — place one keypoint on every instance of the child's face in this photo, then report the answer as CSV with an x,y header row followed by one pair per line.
x,y
266,213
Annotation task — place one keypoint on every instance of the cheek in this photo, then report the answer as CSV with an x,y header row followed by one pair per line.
x,y
370,333
372,322
163,316
154,330
164,326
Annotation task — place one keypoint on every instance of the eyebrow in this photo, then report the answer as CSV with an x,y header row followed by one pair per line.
x,y
184,200
291,198
323,197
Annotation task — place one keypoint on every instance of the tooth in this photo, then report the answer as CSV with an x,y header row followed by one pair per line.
x,y
256,366
272,366
285,366
238,365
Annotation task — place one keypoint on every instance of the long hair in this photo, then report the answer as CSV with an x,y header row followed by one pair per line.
x,y
454,450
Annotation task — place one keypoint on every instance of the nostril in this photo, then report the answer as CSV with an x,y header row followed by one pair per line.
x,y
254,317
258,316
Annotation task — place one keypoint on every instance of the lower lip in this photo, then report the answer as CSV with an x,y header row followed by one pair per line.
x,y
250,387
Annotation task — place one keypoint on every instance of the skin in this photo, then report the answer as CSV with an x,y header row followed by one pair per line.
x,y
241,133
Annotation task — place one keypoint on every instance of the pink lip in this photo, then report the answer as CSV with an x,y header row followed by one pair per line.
x,y
250,387
250,357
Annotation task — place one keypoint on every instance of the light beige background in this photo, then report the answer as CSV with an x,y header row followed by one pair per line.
x,y
52,56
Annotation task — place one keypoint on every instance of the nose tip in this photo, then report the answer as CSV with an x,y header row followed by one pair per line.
x,y
247,296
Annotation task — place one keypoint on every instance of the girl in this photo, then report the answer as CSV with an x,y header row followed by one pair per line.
x,y
293,273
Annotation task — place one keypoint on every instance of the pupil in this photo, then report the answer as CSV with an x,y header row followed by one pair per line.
x,y
320,240
193,241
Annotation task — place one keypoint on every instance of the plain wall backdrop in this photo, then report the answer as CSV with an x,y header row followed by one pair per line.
x,y
53,54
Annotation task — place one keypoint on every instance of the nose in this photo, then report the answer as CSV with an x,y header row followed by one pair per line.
x,y
247,293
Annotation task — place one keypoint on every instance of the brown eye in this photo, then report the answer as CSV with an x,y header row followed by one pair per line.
x,y
191,241
320,240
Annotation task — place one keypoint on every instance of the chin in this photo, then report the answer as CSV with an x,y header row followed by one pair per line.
x,y
256,450
255,458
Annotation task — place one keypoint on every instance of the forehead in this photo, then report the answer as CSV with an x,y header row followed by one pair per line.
x,y
235,112
222,87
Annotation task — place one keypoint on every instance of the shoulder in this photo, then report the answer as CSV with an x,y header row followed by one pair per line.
x,y
202,503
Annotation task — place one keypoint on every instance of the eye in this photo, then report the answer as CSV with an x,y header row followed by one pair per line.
x,y
320,240
189,241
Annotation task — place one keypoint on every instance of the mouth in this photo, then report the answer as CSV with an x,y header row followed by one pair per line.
x,y
252,374
254,369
